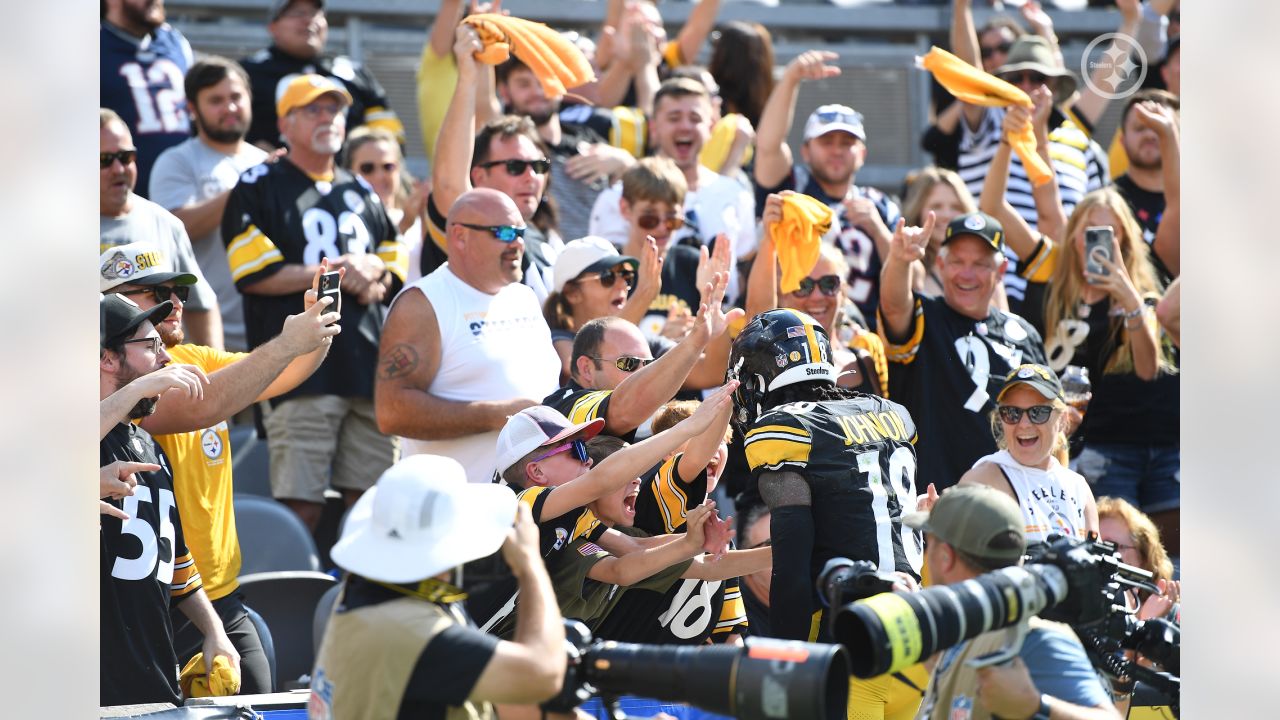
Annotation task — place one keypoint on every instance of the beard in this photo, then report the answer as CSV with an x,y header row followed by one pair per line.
x,y
539,117
145,406
326,142
171,337
823,177
233,134
143,16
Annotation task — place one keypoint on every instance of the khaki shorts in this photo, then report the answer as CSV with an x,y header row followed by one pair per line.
x,y
317,441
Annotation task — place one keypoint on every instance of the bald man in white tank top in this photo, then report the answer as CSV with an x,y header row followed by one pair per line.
x,y
466,346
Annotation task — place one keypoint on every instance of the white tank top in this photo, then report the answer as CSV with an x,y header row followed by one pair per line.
x,y
1052,500
492,347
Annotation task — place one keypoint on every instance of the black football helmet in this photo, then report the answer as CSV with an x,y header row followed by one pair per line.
x,y
777,348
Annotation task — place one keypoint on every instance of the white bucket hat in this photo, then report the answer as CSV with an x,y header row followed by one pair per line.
x,y
421,519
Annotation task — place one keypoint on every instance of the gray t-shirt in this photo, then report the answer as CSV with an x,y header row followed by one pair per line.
x,y
148,222
192,172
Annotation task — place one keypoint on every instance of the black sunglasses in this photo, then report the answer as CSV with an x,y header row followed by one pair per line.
x,y
163,292
610,276
649,222
505,233
1027,76
988,50
124,156
368,168
627,363
1038,414
828,285
516,168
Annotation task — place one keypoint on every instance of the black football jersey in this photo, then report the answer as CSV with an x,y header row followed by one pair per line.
x,y
581,405
145,567
278,215
858,458
948,372
690,611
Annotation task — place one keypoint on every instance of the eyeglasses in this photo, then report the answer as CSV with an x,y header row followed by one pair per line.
x,y
1026,76
649,222
124,156
988,50
1122,547
610,276
315,110
154,341
163,292
578,447
516,168
505,233
1037,414
626,363
368,168
828,285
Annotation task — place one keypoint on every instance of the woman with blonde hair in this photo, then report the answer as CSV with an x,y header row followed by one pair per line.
x,y
1029,425
1102,322
374,155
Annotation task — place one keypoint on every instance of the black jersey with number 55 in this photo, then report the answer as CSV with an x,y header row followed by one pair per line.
x,y
278,215
858,458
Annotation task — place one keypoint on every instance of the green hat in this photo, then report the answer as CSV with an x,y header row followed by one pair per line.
x,y
1034,53
979,521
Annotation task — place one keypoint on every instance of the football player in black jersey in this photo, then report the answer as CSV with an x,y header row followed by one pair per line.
x,y
835,467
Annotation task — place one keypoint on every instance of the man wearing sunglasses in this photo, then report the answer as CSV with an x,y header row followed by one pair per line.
x,y
193,179
505,154
281,222
125,217
833,151
1032,63
194,434
146,567
466,346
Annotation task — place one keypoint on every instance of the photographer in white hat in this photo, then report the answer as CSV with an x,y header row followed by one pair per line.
x,y
399,642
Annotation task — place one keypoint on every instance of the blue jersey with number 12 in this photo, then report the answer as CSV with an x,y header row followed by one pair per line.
x,y
142,81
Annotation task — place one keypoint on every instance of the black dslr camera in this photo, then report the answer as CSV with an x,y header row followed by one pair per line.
x,y
765,680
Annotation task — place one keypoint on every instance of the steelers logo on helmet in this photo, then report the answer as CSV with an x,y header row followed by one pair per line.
x,y
777,348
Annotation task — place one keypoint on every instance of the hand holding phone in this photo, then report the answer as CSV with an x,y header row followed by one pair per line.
x,y
331,286
1098,242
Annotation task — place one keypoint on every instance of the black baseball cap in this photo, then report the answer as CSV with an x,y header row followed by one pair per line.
x,y
978,224
120,317
1041,378
277,8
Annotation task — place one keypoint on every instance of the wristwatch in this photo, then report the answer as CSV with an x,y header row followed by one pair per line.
x,y
1043,712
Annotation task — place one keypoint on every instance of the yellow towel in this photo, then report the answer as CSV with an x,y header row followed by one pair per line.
x,y
976,87
716,149
797,238
195,683
557,63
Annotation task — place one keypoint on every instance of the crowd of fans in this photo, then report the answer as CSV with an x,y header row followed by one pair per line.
x,y
630,310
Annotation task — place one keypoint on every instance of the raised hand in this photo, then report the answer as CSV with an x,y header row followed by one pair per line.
x,y
187,379
772,213
719,261
908,244
705,416
1152,115
679,322
1116,280
924,503
712,320
717,535
466,44
811,65
1039,21
1042,99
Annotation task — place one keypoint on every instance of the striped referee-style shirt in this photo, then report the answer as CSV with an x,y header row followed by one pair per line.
x,y
1078,162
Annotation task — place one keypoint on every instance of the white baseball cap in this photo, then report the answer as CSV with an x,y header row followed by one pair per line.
x,y
535,427
587,254
830,118
138,263
421,519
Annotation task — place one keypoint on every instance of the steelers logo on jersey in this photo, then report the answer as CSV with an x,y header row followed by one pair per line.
x,y
211,444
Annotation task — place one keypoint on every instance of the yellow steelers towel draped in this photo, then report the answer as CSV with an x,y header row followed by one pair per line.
x,y
976,87
798,237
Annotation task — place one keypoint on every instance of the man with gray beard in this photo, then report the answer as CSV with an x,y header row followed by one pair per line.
x,y
281,220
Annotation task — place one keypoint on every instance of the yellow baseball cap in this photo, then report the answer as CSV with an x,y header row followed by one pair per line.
x,y
304,89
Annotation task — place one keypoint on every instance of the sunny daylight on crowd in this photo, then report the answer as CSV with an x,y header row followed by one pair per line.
x,y
681,359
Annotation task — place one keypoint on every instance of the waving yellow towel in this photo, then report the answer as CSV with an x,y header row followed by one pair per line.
x,y
225,679
976,87
797,238
557,63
